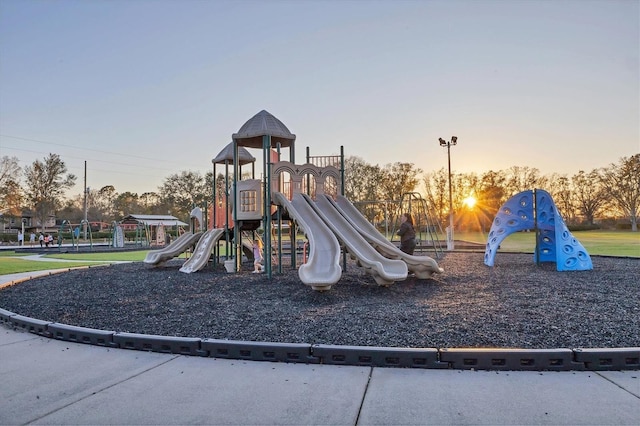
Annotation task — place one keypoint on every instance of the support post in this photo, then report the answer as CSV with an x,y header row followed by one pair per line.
x,y
536,229
266,147
237,243
86,193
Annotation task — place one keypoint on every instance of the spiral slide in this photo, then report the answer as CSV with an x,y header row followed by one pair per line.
x,y
322,269
179,246
421,266
203,250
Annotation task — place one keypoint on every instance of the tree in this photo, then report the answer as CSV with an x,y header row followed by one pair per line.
x,y
468,217
519,179
72,210
397,179
492,193
125,204
152,203
559,186
104,201
435,184
221,190
46,183
590,195
622,181
361,184
182,191
9,171
96,210
10,191
361,180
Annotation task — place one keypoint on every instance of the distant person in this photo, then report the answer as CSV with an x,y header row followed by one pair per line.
x,y
41,239
32,239
257,256
20,238
407,234
47,239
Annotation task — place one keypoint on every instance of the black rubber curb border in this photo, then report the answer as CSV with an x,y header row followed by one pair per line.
x,y
561,359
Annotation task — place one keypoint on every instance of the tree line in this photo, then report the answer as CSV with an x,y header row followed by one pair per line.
x,y
608,194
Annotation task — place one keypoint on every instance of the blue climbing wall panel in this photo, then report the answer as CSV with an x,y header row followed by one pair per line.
x,y
514,215
554,241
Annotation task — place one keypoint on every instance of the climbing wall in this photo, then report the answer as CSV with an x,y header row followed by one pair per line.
x,y
554,241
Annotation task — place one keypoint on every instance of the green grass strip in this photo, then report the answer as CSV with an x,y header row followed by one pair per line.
x,y
12,265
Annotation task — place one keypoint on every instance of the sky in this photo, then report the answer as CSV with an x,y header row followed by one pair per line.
x,y
143,89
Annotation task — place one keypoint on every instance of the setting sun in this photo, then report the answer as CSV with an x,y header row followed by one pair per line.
x,y
470,201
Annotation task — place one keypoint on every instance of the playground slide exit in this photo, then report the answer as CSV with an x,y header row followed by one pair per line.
x,y
322,268
179,246
383,270
422,266
202,252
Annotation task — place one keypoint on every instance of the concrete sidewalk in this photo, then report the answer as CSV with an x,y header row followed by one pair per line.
x,y
48,381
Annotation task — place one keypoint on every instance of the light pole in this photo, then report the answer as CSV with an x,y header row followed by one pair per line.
x,y
448,144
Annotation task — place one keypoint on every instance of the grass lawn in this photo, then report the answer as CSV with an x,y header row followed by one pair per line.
x,y
14,265
124,256
606,243
11,253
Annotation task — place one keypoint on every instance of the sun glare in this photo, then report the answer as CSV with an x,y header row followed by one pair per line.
x,y
470,201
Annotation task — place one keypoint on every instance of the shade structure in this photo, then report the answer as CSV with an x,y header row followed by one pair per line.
x,y
226,155
263,124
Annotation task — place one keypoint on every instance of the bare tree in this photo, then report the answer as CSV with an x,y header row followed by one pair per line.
x,y
521,178
9,170
362,183
622,181
10,191
435,184
46,183
493,193
398,179
590,194
361,180
560,188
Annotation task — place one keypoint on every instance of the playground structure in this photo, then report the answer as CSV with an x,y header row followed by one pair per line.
x,y
535,210
304,195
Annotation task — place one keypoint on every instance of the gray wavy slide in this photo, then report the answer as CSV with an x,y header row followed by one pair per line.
x,y
177,247
322,268
202,252
421,266
384,271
